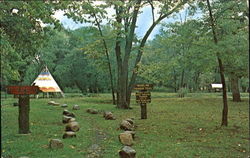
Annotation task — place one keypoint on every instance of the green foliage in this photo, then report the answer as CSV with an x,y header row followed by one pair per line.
x,y
182,92
22,34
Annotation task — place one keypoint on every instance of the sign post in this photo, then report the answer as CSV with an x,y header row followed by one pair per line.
x,y
143,97
24,104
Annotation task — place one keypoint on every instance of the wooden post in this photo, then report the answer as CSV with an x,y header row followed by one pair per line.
x,y
143,110
24,105
23,118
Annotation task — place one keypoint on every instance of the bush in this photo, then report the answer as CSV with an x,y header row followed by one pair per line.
x,y
71,90
182,92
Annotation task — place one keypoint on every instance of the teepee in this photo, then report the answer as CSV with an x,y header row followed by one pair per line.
x,y
46,83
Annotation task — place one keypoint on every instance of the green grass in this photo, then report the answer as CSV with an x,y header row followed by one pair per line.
x,y
176,127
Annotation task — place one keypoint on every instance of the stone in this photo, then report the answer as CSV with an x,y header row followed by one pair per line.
x,y
69,134
55,144
64,105
56,104
126,138
92,111
88,110
72,126
67,113
131,132
67,119
72,120
108,116
127,152
125,125
131,121
76,107
51,102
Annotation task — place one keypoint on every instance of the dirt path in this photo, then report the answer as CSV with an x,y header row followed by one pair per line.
x,y
95,150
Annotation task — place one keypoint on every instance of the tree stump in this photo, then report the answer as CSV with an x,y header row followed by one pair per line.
x,y
72,126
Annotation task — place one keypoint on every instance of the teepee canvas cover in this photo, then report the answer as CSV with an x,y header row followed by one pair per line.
x,y
46,82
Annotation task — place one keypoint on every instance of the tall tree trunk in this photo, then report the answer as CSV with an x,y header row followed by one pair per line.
x,y
235,88
182,78
175,82
224,121
120,87
108,60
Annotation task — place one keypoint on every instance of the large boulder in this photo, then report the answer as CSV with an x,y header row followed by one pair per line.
x,y
76,107
126,138
72,126
108,116
125,125
69,134
55,144
67,113
127,152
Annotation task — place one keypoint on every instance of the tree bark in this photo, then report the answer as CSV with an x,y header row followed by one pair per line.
x,y
224,121
121,95
235,88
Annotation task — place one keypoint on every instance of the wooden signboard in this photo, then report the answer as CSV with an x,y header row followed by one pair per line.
x,y
143,87
143,97
24,104
22,90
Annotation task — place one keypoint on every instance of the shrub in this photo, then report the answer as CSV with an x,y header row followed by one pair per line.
x,y
182,92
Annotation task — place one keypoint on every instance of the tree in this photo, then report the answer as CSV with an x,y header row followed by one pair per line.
x,y
23,33
124,24
225,106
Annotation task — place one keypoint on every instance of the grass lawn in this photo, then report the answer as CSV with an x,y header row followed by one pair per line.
x,y
176,128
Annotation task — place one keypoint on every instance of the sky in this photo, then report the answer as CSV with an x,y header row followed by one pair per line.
x,y
143,22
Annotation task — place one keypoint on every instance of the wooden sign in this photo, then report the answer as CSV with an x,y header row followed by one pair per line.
x,y
143,87
22,90
143,97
